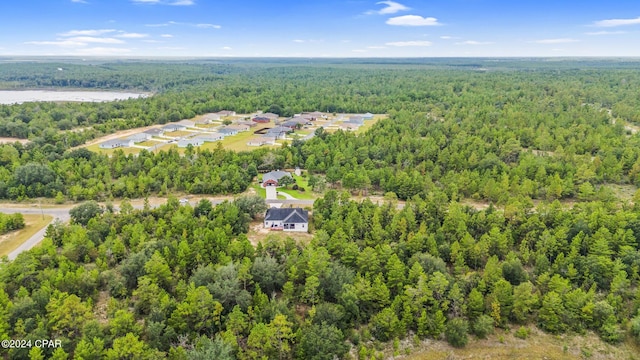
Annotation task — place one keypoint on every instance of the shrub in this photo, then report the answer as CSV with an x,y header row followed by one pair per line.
x,y
522,333
456,332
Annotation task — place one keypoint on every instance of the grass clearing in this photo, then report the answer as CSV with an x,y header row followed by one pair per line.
x,y
127,150
307,195
368,124
260,191
623,192
33,222
258,234
235,142
503,345
179,133
149,143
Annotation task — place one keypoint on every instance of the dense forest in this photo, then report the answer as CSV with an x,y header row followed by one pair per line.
x,y
541,142
185,283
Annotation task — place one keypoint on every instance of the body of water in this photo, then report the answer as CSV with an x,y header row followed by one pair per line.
x,y
22,96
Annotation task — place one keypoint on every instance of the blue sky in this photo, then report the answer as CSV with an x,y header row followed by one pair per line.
x,y
314,28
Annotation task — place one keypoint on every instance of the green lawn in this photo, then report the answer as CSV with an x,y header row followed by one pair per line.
x,y
235,142
33,224
302,195
127,150
260,190
369,123
149,143
307,195
179,133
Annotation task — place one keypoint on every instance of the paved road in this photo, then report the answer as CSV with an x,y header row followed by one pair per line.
x,y
61,214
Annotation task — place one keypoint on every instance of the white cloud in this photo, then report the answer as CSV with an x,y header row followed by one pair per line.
x,y
392,8
474,42
61,43
447,37
182,3
409,43
101,51
132,35
596,33
617,22
413,20
99,40
87,32
227,48
166,35
556,41
164,2
79,1
171,23
298,41
207,26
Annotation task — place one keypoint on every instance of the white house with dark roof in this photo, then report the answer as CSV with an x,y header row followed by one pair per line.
x,y
140,137
288,219
228,131
173,127
367,116
187,123
154,132
272,178
195,142
260,141
210,137
226,113
116,143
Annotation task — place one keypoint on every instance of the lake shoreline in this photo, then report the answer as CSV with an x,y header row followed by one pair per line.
x,y
12,97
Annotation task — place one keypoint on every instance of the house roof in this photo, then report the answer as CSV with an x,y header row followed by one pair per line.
x,y
139,136
238,126
227,130
287,215
154,131
210,137
290,123
187,142
173,126
275,175
279,129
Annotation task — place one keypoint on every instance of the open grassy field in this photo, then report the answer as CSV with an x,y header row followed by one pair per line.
x,y
368,124
235,143
149,143
540,345
10,241
127,151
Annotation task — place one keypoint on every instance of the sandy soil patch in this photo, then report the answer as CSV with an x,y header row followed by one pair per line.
x,y
8,140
